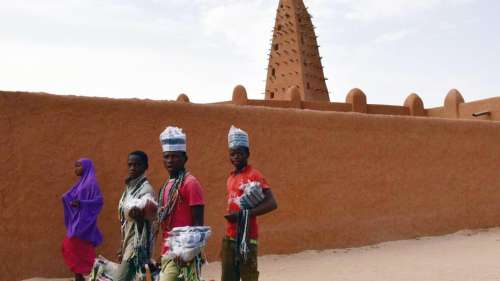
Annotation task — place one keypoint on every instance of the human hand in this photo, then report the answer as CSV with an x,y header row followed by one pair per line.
x,y
150,210
154,266
232,218
75,203
180,262
136,213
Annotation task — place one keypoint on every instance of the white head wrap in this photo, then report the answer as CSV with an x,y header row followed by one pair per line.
x,y
237,137
173,139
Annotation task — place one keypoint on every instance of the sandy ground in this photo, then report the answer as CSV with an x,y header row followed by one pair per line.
x,y
463,256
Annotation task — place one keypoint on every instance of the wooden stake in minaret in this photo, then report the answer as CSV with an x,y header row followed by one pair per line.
x,y
294,58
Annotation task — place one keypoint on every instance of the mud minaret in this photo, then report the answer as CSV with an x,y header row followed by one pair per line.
x,y
294,57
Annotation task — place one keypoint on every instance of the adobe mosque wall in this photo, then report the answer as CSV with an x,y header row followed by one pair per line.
x,y
342,179
454,106
295,77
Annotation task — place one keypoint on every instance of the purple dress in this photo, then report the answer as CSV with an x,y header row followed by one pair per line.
x,y
82,234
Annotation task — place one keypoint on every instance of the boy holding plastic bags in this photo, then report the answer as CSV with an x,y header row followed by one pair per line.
x,y
181,211
249,196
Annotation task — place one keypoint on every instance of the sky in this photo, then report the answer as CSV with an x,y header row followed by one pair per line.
x,y
157,49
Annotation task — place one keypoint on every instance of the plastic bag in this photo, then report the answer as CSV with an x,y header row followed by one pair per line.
x,y
103,270
141,202
251,197
187,242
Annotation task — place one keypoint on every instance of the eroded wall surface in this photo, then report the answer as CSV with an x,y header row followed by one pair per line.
x,y
341,179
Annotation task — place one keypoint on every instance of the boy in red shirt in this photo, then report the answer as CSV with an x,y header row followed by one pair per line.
x,y
181,198
239,247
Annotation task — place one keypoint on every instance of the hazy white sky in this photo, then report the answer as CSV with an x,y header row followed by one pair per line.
x,y
156,49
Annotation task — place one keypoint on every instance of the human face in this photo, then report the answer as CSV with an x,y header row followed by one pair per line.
x,y
174,161
238,157
136,167
78,169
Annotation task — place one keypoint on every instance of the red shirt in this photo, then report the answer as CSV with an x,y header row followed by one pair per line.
x,y
234,181
190,194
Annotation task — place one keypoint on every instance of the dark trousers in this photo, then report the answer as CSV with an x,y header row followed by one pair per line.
x,y
248,269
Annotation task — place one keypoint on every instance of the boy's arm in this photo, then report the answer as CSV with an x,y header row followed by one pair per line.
x,y
267,205
197,213
139,214
196,201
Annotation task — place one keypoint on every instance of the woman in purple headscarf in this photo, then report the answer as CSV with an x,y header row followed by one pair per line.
x,y
82,204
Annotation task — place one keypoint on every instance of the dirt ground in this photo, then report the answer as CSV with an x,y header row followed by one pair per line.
x,y
472,255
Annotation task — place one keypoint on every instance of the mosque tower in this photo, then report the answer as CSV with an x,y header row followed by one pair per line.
x,y
294,57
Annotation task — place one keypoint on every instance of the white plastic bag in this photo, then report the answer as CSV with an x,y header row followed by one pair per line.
x,y
103,270
141,202
251,197
187,242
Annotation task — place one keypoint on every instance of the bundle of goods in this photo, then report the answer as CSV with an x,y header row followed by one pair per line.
x,y
146,203
103,270
251,197
187,242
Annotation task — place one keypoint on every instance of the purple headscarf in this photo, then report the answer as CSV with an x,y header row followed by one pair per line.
x,y
81,222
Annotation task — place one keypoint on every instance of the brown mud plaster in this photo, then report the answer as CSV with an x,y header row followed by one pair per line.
x,y
341,179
